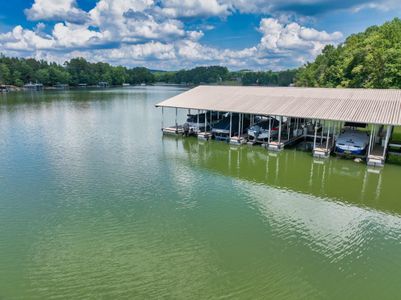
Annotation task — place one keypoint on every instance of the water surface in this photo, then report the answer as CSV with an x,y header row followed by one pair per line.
x,y
95,203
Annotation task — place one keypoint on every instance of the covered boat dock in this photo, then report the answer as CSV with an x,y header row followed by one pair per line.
x,y
317,113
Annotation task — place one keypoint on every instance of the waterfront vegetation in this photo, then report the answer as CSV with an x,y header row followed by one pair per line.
x,y
221,75
370,59
18,71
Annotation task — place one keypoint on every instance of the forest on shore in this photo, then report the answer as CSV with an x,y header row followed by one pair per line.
x,y
19,71
370,59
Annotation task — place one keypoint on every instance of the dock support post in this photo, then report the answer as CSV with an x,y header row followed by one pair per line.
x,y
239,125
197,121
374,138
328,137
242,123
315,137
162,117
334,135
388,133
270,129
176,122
370,141
279,129
211,120
321,138
288,127
231,122
205,120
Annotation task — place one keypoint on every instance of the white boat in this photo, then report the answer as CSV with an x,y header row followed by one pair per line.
x,y
352,142
196,123
221,130
259,132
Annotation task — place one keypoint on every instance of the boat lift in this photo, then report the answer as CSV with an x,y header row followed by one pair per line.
x,y
241,138
323,144
291,133
377,152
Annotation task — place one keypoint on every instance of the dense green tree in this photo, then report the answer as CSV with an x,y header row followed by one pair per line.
x,y
59,75
43,76
199,75
18,71
4,74
140,75
80,71
371,59
269,78
119,75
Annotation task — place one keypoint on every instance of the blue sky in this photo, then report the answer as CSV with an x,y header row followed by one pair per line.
x,y
175,34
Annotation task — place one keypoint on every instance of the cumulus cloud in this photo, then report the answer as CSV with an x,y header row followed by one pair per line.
x,y
280,38
302,8
67,36
20,39
153,33
106,10
56,10
195,8
134,21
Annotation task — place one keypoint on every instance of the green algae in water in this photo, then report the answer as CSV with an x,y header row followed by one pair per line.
x,y
95,203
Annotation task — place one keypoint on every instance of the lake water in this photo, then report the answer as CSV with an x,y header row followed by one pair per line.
x,y
96,204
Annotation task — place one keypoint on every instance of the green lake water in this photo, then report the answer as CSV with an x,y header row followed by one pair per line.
x,y
96,204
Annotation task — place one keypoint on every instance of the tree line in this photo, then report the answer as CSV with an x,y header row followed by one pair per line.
x,y
269,78
19,71
370,59
221,75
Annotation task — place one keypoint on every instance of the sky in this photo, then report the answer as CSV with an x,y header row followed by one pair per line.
x,y
177,34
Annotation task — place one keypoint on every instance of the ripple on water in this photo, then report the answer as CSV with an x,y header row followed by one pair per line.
x,y
98,205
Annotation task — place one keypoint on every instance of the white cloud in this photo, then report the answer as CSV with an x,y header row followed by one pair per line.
x,y
132,21
293,39
153,33
20,39
76,36
56,10
194,8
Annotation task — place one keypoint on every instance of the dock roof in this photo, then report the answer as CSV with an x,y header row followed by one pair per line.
x,y
374,106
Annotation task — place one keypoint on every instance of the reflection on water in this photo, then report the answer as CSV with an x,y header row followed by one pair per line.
x,y
95,204
335,178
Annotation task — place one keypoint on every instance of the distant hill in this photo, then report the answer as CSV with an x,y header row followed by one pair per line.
x,y
371,59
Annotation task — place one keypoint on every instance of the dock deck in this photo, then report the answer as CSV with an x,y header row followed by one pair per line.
x,y
278,146
377,157
238,140
204,136
173,130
